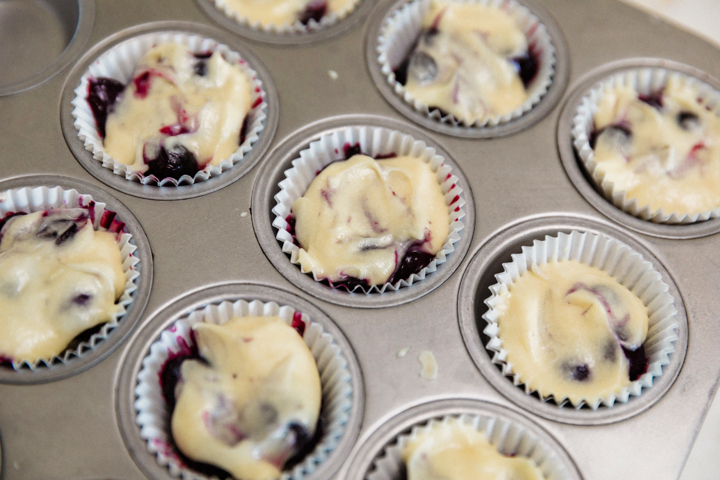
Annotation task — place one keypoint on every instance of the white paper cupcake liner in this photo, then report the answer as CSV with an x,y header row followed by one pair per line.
x,y
644,81
153,416
373,141
508,437
296,27
400,32
119,63
624,265
29,200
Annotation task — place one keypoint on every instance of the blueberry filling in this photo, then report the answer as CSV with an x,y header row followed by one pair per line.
x,y
351,150
315,10
415,259
102,95
654,99
5,219
142,84
173,163
638,362
244,129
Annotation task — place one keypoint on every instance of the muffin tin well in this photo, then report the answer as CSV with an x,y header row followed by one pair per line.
x,y
556,76
96,347
216,241
267,187
581,178
339,432
265,119
474,291
512,433
292,36
40,39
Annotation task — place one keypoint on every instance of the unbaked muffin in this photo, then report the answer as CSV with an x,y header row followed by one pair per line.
x,y
58,278
369,222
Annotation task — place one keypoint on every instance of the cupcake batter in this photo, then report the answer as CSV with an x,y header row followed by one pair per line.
x,y
359,218
662,149
254,403
285,12
455,451
566,325
58,277
466,61
179,108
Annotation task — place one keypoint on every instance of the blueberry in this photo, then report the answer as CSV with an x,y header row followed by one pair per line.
x,y
422,67
638,362
102,95
609,350
415,259
688,120
300,433
575,372
350,283
314,11
617,133
527,67
169,377
173,163
352,150
62,225
200,68
82,299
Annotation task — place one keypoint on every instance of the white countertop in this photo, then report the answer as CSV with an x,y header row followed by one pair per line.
x,y
701,17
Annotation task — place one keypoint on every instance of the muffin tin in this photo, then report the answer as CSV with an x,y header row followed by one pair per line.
x,y
519,186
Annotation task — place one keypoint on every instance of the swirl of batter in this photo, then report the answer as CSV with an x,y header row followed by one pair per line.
x,y
371,220
470,60
58,278
572,331
662,149
251,402
456,451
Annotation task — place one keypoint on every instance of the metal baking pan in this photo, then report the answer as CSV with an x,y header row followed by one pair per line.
x,y
521,184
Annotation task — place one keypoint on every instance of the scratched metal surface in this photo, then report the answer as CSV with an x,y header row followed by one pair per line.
x,y
71,428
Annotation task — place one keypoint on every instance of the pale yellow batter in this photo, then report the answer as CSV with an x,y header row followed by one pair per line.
x,y
463,69
671,159
359,216
236,412
53,290
455,451
210,109
563,325
280,12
